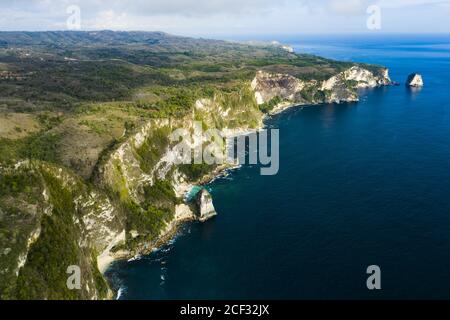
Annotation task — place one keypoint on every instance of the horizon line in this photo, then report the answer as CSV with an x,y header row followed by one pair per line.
x,y
234,34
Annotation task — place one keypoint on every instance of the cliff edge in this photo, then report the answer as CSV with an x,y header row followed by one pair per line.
x,y
134,200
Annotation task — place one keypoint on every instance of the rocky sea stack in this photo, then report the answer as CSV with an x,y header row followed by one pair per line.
x,y
205,205
90,187
414,80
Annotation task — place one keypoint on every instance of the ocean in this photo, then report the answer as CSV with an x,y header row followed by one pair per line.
x,y
359,184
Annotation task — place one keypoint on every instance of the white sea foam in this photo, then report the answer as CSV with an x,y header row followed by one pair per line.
x,y
135,258
120,292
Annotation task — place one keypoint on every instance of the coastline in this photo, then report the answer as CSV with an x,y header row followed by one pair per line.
x,y
104,261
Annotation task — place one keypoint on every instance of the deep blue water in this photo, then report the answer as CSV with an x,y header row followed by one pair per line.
x,y
359,184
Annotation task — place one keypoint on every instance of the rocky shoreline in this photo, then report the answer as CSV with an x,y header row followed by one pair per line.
x,y
131,203
172,227
266,87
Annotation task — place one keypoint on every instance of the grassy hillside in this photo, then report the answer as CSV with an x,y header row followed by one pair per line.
x,y
63,70
96,85
69,101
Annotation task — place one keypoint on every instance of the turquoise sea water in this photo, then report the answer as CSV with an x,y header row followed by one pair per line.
x,y
359,184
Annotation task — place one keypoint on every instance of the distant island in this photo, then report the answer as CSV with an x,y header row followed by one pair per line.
x,y
414,80
85,175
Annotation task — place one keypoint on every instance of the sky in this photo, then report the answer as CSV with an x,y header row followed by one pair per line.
x,y
229,17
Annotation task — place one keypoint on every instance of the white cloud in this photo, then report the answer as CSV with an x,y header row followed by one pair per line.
x,y
348,7
224,16
109,19
409,3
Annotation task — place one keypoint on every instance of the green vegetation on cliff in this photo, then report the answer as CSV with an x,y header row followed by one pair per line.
x,y
55,231
73,104
151,217
268,106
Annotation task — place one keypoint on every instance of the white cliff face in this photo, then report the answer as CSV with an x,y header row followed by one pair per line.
x,y
107,257
97,225
124,174
361,78
102,224
415,80
268,86
125,163
385,78
339,88
183,212
365,78
205,205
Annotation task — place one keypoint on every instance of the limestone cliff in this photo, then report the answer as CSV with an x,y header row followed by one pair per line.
x,y
56,221
134,201
281,90
414,80
205,205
